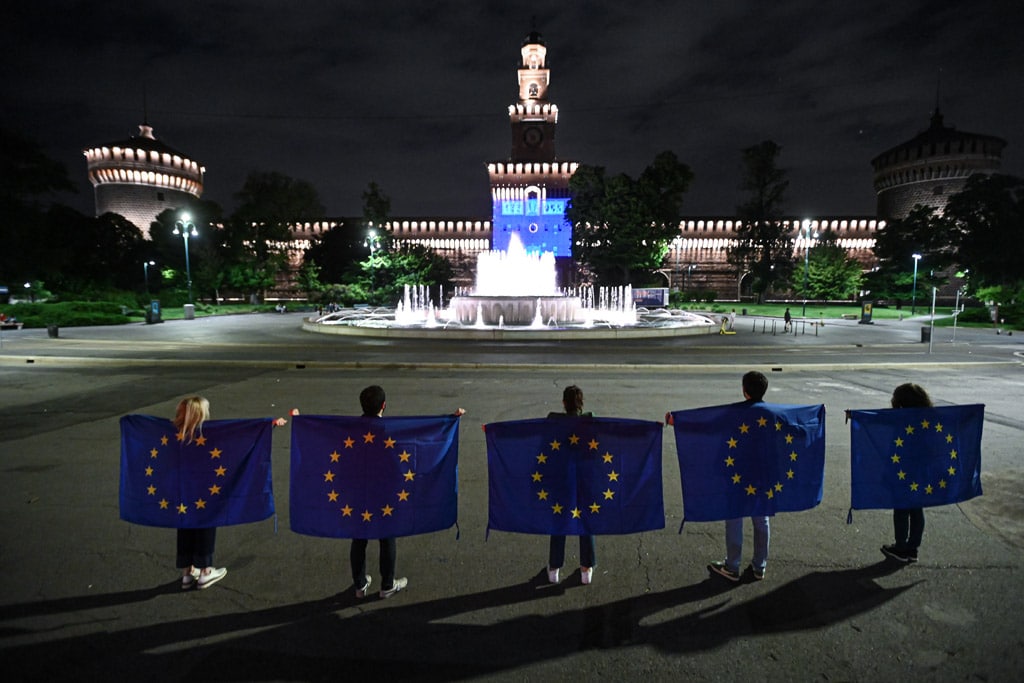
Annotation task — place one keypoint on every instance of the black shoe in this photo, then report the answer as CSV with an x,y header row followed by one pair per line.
x,y
894,553
723,571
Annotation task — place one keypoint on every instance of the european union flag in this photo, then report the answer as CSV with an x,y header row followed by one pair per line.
x,y
575,476
750,459
374,477
915,457
223,477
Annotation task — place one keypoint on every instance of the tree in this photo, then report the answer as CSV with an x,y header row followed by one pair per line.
x,y
338,253
622,226
763,246
984,221
832,274
27,178
258,232
920,232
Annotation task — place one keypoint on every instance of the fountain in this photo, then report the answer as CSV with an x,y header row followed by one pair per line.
x,y
515,296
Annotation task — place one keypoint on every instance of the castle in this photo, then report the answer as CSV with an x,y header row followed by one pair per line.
x,y
140,177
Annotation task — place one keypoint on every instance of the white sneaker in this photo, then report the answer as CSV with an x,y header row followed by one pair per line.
x,y
397,586
586,575
361,590
208,578
189,580
552,575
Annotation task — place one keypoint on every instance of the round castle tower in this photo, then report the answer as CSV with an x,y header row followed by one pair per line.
x,y
933,165
141,176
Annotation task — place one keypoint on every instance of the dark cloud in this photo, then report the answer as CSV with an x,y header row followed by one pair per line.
x,y
414,95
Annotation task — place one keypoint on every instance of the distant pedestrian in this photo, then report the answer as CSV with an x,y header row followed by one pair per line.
x,y
732,320
788,318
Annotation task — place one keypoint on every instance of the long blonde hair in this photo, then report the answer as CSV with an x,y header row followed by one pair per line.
x,y
189,417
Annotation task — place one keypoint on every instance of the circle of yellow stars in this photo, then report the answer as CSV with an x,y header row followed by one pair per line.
x,y
182,507
922,428
576,442
733,442
367,515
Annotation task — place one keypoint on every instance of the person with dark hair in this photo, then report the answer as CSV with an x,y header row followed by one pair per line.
x,y
908,523
373,401
787,318
755,385
572,402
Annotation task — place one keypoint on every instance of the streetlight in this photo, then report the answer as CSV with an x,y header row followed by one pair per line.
x,y
677,242
807,263
372,242
145,272
185,227
913,295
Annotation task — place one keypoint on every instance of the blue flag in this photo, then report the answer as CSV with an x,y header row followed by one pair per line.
x,y
575,476
750,459
915,457
223,477
374,477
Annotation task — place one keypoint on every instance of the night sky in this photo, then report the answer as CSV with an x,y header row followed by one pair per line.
x,y
414,95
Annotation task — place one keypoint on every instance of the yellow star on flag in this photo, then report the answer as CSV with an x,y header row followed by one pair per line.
x,y
573,440
751,490
736,478
609,494
542,458
555,445
730,461
403,495
607,457
389,442
328,476
895,458
346,511
182,509
214,490
789,438
221,471
367,515
910,429
556,508
163,440
914,486
404,456
744,428
613,476
732,442
542,495
349,442
368,437
576,513
410,475
387,510
762,421
333,496
215,453
151,490
163,504
595,508
153,453
335,455
200,504
201,440
536,476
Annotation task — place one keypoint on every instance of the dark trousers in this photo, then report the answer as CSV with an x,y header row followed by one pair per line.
x,y
556,552
388,555
909,527
195,548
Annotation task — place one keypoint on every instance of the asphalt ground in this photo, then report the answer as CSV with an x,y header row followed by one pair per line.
x,y
86,596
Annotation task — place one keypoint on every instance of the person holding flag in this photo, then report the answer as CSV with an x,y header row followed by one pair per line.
x,y
176,474
572,402
912,457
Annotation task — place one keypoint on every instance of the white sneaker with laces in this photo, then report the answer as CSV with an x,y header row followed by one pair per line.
x,y
397,586
210,576
552,575
586,575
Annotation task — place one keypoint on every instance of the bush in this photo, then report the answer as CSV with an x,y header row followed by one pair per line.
x,y
68,313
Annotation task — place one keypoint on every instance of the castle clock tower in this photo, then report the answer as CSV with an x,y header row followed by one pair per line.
x,y
533,117
530,190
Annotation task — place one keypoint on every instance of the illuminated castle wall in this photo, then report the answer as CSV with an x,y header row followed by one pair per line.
x,y
141,176
530,189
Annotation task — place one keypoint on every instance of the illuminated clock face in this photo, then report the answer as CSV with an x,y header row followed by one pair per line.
x,y
533,136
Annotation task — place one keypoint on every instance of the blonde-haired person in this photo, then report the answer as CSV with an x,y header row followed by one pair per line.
x,y
195,546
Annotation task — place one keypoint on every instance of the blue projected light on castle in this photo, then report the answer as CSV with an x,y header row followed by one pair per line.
x,y
540,223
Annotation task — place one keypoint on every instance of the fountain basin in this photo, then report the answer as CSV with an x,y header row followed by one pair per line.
x,y
516,310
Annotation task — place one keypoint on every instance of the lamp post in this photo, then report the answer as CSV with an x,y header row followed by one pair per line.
x,y
145,272
913,294
371,241
807,261
677,242
186,228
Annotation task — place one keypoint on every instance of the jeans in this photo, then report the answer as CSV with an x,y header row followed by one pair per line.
x,y
908,525
195,548
388,555
556,552
734,543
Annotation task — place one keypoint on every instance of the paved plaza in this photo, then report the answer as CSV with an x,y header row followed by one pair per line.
x,y
86,596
